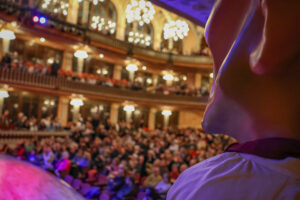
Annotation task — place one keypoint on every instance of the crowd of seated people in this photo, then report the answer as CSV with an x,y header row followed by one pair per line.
x,y
121,161
23,122
15,63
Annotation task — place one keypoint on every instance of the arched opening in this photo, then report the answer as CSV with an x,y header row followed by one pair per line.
x,y
100,16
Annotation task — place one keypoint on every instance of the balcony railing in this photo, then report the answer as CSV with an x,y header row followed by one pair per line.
x,y
20,79
25,134
109,41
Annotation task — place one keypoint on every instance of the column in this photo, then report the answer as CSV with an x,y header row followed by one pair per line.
x,y
156,43
1,105
152,118
67,61
155,79
62,110
166,114
117,72
80,65
170,44
121,28
114,113
73,11
5,46
190,80
85,13
198,78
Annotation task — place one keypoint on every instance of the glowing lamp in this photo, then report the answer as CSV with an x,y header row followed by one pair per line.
x,y
4,94
129,108
81,54
35,19
132,67
211,75
168,77
43,20
166,112
7,34
76,102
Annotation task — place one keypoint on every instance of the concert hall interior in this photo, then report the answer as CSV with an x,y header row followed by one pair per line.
x,y
115,99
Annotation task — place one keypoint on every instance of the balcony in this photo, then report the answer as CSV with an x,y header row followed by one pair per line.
x,y
61,86
83,34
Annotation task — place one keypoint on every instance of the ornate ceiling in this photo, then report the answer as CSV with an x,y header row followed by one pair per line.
x,y
195,10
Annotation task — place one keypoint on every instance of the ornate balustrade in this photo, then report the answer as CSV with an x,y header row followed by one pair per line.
x,y
26,133
21,79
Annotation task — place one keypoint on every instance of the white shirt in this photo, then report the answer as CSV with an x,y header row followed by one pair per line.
x,y
239,176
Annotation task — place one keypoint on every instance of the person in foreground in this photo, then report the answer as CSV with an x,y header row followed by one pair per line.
x,y
22,181
256,99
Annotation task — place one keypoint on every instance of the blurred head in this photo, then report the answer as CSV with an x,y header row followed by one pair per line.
x,y
255,90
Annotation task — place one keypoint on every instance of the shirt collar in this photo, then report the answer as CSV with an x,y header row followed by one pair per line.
x,y
272,148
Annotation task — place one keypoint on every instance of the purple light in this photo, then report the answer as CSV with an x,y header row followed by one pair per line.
x,y
35,19
43,20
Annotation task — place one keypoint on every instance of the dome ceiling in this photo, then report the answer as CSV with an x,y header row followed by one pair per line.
x,y
195,10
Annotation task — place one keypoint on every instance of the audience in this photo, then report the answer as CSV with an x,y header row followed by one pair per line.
x,y
15,63
129,158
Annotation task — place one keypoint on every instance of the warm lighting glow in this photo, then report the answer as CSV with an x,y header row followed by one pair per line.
x,y
168,77
140,11
4,94
103,24
139,38
166,112
132,67
129,108
144,68
184,78
101,55
149,81
42,39
58,7
81,54
211,75
7,34
176,30
76,102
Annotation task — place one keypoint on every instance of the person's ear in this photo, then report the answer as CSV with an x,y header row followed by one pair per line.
x,y
280,43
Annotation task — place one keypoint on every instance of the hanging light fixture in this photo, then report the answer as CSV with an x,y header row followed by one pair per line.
x,y
166,112
132,67
76,102
176,30
81,54
168,77
57,7
141,11
103,24
7,34
4,94
129,108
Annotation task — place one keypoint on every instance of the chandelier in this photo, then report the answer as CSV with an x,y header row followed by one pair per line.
x,y
176,30
103,24
140,38
7,34
140,11
58,7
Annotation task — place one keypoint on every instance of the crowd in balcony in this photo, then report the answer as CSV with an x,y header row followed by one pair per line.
x,y
122,160
15,63
23,122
